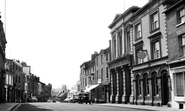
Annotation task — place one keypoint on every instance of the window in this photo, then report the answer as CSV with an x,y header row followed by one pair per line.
x,y
101,73
182,44
155,85
156,50
106,57
120,41
137,85
179,84
139,61
138,31
101,58
114,50
154,21
146,85
128,42
181,16
107,72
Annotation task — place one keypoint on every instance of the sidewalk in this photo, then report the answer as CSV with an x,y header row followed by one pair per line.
x,y
150,108
7,106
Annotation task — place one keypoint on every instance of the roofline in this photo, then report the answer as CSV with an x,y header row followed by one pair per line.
x,y
130,9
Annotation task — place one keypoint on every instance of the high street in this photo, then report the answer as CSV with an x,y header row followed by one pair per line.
x,y
69,107
87,107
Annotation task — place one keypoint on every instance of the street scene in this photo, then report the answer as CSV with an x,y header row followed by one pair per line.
x,y
95,55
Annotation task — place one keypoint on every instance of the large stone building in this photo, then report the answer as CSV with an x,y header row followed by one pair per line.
x,y
122,57
175,22
2,62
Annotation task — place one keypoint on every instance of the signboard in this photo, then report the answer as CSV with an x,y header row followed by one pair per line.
x,y
141,55
99,80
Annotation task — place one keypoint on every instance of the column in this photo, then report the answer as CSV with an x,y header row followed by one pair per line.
x,y
123,47
117,83
131,99
116,43
111,78
124,88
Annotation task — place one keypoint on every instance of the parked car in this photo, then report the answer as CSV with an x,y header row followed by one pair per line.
x,y
34,99
84,98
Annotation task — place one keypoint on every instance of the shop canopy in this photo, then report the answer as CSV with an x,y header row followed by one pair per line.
x,y
91,87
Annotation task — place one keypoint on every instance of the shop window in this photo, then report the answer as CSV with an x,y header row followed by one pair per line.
x,y
179,80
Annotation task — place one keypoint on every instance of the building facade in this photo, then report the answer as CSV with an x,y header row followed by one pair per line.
x,y
2,62
121,57
150,70
175,22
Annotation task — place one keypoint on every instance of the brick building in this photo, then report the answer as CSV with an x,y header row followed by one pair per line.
x,y
175,22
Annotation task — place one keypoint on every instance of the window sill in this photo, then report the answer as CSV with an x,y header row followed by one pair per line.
x,y
179,99
178,25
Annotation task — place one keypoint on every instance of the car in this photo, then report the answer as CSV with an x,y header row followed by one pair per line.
x,y
84,98
34,99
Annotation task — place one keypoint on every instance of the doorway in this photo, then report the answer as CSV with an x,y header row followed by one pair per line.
x,y
165,88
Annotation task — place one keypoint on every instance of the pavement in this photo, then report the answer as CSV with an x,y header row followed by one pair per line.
x,y
8,106
144,107
11,106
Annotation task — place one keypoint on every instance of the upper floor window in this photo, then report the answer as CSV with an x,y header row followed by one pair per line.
x,y
101,58
106,57
128,42
156,51
120,42
182,44
154,21
138,31
181,16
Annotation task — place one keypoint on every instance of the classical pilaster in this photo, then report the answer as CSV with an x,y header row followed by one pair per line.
x,y
111,79
124,88
131,99
117,79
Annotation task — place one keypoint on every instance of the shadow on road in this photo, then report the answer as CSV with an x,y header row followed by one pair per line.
x,y
30,107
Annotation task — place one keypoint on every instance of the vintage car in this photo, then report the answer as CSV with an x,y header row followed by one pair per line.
x,y
84,98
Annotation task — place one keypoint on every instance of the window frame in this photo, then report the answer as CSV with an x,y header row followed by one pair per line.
x,y
178,15
175,84
138,48
136,31
152,21
181,50
153,41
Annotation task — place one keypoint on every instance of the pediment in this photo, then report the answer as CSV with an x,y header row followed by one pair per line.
x,y
116,17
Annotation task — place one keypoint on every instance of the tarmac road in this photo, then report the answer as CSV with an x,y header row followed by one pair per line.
x,y
70,107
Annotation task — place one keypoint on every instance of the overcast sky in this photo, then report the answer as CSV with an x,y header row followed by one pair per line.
x,y
55,37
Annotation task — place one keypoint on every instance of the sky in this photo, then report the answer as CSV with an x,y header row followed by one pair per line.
x,y
55,37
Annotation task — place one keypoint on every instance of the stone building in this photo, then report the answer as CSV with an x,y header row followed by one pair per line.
x,y
2,62
175,22
121,57
150,70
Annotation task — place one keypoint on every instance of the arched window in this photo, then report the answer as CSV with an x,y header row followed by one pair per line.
x,y
138,85
146,85
155,84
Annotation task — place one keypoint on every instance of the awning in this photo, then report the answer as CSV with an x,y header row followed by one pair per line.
x,y
91,87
